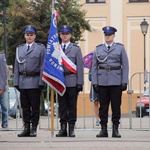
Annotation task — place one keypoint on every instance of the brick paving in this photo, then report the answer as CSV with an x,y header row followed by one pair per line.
x,y
137,137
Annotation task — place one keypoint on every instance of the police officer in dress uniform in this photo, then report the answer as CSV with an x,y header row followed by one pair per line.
x,y
73,83
3,83
110,77
3,73
28,80
3,89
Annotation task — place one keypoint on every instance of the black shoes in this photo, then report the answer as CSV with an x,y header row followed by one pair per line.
x,y
71,130
63,131
24,134
104,132
33,132
27,132
115,132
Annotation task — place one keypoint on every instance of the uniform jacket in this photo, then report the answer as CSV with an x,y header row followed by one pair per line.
x,y
73,52
3,74
116,56
33,63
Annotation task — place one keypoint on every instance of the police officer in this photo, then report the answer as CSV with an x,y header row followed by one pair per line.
x,y
3,83
28,79
3,73
110,77
73,83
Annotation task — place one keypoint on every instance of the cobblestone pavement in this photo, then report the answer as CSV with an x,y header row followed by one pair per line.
x,y
135,135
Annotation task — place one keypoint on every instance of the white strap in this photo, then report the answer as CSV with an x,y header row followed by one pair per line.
x,y
20,62
100,59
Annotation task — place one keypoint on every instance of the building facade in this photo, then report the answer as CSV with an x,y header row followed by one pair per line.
x,y
126,16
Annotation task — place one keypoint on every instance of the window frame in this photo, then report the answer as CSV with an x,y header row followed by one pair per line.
x,y
95,1
138,1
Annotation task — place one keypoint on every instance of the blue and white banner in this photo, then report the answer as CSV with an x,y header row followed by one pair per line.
x,y
53,73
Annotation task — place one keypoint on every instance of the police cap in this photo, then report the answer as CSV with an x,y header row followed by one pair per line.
x,y
65,29
108,30
29,29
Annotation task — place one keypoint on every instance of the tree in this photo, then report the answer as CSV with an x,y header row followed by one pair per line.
x,y
38,14
19,14
1,25
3,5
72,15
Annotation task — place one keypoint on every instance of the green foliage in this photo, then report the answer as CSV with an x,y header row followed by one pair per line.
x,y
19,13
71,14
2,4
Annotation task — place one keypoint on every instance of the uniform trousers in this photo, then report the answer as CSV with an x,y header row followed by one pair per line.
x,y
68,106
110,94
30,103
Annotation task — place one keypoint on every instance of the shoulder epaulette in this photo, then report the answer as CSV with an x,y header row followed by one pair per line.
x,y
40,44
99,45
3,55
76,45
21,45
119,44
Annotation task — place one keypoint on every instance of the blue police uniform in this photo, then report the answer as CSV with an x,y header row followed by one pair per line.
x,y
28,80
73,83
3,84
3,75
110,70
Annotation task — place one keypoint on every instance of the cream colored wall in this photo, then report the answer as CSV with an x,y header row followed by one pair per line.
x,y
126,17
86,108
133,15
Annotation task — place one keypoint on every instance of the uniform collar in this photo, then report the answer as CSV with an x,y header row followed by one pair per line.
x,y
29,44
109,45
67,44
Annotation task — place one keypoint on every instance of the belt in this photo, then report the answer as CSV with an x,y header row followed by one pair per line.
x,y
109,68
68,73
29,73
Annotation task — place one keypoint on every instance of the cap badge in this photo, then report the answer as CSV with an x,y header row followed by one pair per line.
x,y
107,28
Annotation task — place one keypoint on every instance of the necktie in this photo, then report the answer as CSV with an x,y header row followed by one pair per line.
x,y
64,48
28,48
108,48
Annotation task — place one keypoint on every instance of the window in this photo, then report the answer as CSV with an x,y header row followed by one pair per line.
x,y
95,1
138,0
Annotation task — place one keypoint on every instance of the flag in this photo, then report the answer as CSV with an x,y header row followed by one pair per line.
x,y
87,60
53,73
68,63
57,15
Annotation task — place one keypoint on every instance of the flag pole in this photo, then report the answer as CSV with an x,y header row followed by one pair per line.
x,y
52,98
52,112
